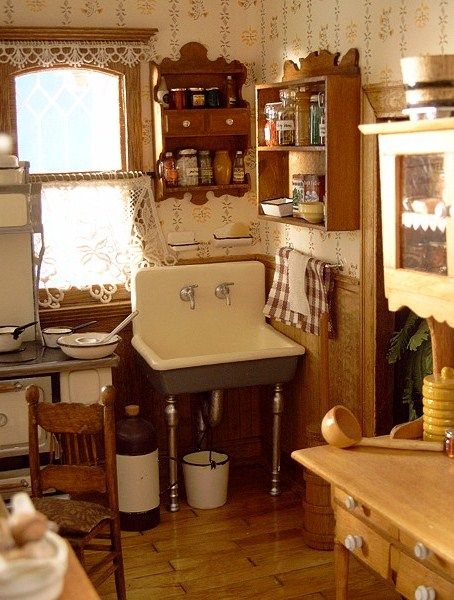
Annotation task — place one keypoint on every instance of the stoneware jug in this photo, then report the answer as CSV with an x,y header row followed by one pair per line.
x,y
222,167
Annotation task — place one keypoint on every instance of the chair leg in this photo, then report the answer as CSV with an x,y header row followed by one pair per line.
x,y
79,552
119,572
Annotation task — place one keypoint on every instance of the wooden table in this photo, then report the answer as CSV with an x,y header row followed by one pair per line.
x,y
394,511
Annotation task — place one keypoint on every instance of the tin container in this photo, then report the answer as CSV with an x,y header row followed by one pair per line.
x,y
298,191
314,187
178,98
212,97
196,97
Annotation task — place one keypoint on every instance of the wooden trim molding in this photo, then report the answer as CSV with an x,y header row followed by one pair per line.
x,y
77,34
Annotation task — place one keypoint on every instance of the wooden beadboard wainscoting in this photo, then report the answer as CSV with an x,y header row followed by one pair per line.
x,y
329,373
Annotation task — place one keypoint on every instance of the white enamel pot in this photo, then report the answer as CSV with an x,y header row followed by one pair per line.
x,y
11,336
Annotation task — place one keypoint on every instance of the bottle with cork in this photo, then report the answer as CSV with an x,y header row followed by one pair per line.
x,y
230,92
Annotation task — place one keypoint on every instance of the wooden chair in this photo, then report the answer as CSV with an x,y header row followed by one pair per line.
x,y
82,463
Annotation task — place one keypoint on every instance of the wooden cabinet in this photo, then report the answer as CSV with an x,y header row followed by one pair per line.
x,y
337,159
226,127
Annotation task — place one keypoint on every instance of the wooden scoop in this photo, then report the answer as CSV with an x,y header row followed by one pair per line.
x,y
411,430
341,428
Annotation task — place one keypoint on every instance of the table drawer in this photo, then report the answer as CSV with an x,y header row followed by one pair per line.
x,y
229,122
374,551
369,515
185,122
411,574
432,561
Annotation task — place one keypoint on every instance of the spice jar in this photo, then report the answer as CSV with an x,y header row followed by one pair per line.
x,y
212,97
196,97
302,117
205,168
271,112
168,169
449,442
238,168
188,170
285,124
317,119
230,92
178,98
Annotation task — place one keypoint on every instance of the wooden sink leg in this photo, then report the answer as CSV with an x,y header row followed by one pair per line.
x,y
278,407
171,414
341,560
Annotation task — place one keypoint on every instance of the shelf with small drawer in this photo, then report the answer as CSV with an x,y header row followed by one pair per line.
x,y
337,160
202,128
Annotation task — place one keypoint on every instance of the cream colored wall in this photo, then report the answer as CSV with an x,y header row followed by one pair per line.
x,y
262,34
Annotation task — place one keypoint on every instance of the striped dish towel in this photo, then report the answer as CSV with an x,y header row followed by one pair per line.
x,y
319,286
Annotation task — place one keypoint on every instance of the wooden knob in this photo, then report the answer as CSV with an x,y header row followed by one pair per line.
x,y
353,542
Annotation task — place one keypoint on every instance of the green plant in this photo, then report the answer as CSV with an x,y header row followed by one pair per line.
x,y
411,346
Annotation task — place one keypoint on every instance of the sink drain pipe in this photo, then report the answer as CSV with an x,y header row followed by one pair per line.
x,y
210,413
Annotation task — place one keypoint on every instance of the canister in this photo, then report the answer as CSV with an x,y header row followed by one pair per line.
x,y
314,187
212,97
297,191
178,98
187,167
438,404
196,97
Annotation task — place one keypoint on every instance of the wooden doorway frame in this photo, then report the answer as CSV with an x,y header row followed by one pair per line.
x,y
380,102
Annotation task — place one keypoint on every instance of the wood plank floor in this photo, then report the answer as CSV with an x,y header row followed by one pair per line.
x,y
250,548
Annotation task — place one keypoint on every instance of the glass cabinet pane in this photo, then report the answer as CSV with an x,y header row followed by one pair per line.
x,y
422,213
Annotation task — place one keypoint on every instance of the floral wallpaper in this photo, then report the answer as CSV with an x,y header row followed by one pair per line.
x,y
262,34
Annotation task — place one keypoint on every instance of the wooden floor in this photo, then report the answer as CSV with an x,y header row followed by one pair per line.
x,y
249,548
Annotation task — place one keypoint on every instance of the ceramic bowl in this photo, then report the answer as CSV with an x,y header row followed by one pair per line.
x,y
88,346
51,335
7,341
312,211
36,578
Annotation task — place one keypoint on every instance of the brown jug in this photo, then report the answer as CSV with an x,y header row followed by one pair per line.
x,y
222,167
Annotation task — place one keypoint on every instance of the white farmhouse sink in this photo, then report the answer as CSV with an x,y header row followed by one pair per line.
x,y
234,340
208,344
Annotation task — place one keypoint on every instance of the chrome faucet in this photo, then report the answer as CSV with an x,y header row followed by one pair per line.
x,y
222,292
187,294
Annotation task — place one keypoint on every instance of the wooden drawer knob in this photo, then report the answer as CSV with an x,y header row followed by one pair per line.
x,y
353,542
425,593
421,551
186,123
350,503
229,121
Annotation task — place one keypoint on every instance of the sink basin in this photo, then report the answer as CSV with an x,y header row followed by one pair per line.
x,y
215,345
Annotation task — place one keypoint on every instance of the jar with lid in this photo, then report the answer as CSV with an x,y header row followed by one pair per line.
x,y
285,124
449,442
238,168
196,97
168,170
230,92
317,119
187,168
302,117
178,98
271,112
205,168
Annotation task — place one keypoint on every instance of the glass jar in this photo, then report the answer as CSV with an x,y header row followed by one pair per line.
x,y
285,124
169,170
196,97
271,112
317,119
187,168
205,168
302,117
212,97
178,98
230,92
449,442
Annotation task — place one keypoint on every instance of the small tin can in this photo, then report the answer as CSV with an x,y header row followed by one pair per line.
x,y
298,191
314,187
212,97
449,442
196,97
178,98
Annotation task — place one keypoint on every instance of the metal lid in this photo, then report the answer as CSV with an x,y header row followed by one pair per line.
x,y
204,152
196,89
178,89
449,433
211,88
187,152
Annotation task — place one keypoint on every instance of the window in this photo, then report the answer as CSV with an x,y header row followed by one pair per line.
x,y
75,108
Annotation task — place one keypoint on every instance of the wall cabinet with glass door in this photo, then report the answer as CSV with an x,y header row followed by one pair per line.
x,y
329,152
204,110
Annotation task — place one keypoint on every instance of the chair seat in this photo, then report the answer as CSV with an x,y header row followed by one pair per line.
x,y
73,517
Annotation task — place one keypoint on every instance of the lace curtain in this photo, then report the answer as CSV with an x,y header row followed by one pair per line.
x,y
96,234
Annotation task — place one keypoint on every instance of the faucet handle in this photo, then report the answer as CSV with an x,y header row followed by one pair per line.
x,y
222,291
187,294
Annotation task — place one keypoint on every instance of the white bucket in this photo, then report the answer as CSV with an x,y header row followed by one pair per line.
x,y
206,475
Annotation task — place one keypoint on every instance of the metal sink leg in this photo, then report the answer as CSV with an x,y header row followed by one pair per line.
x,y
172,423
278,408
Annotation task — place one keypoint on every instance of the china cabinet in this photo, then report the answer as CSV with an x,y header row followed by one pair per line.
x,y
335,156
196,123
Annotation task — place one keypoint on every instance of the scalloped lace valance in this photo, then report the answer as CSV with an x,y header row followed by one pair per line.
x,y
75,53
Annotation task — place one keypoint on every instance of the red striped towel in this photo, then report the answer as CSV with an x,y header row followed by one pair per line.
x,y
319,286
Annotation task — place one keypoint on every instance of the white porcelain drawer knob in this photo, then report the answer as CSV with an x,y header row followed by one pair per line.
x,y
353,542
186,123
350,503
229,121
424,593
421,551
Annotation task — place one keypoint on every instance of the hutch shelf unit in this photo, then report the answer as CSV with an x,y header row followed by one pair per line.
x,y
221,128
337,159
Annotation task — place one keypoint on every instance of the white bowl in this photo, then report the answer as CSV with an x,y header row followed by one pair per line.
x,y
51,335
89,345
36,578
